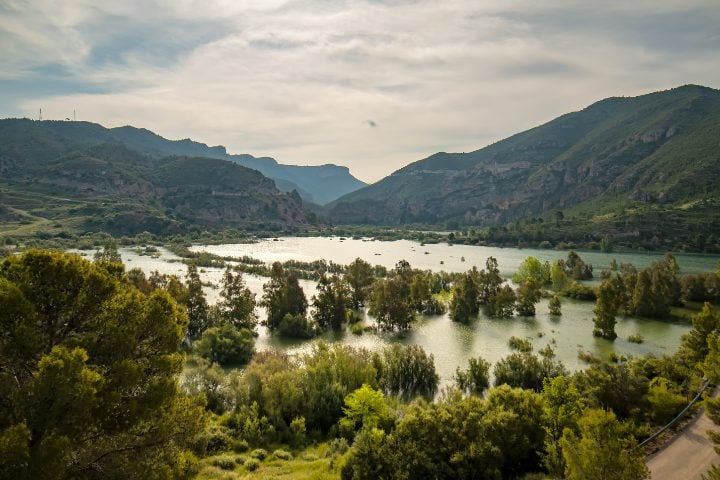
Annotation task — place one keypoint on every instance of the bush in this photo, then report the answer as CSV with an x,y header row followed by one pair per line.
x,y
252,464
281,454
580,292
295,326
214,439
520,344
226,345
240,446
259,453
224,463
636,338
338,446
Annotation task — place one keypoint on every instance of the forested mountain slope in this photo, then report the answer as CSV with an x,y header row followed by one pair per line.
x,y
613,162
320,184
51,181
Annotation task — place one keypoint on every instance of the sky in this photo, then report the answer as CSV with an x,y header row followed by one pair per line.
x,y
369,84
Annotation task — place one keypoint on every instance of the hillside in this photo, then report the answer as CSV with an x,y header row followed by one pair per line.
x,y
620,166
57,184
318,184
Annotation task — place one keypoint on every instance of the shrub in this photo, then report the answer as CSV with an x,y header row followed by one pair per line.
x,y
240,446
520,344
357,328
252,464
338,446
281,454
636,338
224,463
259,453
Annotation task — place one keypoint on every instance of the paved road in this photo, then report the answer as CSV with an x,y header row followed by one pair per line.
x,y
688,455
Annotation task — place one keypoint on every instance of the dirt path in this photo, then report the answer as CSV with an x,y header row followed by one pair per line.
x,y
688,455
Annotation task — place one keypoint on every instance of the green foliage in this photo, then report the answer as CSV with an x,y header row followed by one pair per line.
x,y
521,344
226,345
532,269
476,379
614,387
359,276
576,268
555,306
528,294
390,303
237,305
407,372
89,373
665,399
464,303
695,343
562,408
331,302
295,326
558,277
579,291
602,450
284,300
197,307
636,338
605,311
526,370
502,304
364,408
251,464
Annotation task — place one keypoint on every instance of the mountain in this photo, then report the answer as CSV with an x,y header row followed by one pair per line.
x,y
317,184
54,178
618,160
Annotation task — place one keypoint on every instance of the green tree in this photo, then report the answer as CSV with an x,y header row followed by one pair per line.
x,y
531,268
226,345
665,400
695,343
359,276
605,311
88,384
489,281
197,307
464,303
407,372
390,303
562,408
528,294
331,302
602,451
476,379
558,277
502,304
364,408
555,305
525,370
282,296
237,306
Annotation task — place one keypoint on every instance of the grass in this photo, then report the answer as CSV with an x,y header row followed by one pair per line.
x,y
312,463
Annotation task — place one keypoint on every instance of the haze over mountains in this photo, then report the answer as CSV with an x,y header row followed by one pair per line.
x,y
659,149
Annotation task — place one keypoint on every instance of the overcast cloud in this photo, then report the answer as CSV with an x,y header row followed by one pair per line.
x,y
371,84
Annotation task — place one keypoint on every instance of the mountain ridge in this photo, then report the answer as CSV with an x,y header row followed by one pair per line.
x,y
310,181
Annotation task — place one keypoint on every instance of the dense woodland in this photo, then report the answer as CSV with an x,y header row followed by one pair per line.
x,y
108,373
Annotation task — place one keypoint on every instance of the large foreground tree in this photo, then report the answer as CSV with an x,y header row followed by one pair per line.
x,y
88,369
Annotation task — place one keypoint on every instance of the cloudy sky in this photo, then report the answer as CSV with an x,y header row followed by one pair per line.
x,y
371,84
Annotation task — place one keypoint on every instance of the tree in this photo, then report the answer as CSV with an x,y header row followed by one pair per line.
x,y
555,306
88,384
695,343
331,302
282,296
559,216
602,451
605,311
525,370
197,307
359,276
226,345
502,304
558,277
364,408
489,281
464,303
527,296
562,408
476,379
390,303
531,268
665,399
237,306
407,372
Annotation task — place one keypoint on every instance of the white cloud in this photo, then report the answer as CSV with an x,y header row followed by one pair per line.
x,y
298,80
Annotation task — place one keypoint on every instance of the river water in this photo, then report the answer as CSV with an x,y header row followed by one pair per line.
x,y
451,343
